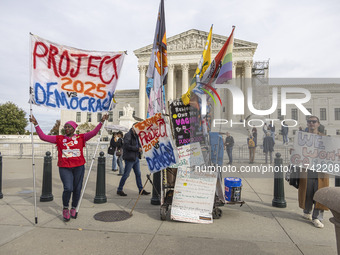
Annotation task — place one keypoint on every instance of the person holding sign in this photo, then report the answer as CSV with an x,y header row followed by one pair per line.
x,y
311,181
71,160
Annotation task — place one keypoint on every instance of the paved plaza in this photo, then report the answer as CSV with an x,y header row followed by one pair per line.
x,y
254,228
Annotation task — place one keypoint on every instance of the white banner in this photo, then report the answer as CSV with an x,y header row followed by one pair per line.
x,y
69,78
317,153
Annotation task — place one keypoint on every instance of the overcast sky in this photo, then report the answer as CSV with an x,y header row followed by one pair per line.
x,y
301,38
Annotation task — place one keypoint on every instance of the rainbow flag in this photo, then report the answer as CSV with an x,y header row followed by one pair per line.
x,y
225,73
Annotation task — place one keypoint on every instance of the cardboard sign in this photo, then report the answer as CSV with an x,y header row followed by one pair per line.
x,y
156,140
317,153
189,155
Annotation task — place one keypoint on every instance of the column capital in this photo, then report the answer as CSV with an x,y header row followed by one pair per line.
x,y
248,64
142,68
185,67
171,66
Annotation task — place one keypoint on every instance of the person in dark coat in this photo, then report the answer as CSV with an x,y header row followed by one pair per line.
x,y
284,132
131,154
117,143
268,147
229,144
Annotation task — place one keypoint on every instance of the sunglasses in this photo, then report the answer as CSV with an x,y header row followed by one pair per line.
x,y
312,121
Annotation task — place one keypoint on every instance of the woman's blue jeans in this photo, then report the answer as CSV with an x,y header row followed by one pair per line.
x,y
72,179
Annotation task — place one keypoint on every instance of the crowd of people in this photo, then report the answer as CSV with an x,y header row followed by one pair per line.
x,y
308,181
71,162
268,142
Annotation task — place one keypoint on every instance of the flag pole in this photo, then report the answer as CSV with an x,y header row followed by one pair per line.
x,y
31,114
93,158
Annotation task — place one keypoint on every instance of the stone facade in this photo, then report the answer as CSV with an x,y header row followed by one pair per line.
x,y
184,52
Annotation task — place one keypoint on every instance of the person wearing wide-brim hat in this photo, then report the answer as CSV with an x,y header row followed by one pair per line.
x,y
71,160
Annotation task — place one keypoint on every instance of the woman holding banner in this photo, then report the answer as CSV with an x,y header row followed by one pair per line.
x,y
71,160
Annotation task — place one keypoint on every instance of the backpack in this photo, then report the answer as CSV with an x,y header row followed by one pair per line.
x,y
251,142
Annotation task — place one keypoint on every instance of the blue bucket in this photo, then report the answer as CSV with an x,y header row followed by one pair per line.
x,y
232,189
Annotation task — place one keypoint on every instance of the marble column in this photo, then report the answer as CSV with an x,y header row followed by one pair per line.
x,y
247,83
229,104
142,92
170,85
185,78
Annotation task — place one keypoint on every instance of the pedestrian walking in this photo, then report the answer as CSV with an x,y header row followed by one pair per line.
x,y
131,154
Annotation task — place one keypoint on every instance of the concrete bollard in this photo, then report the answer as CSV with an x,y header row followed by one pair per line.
x,y
279,192
330,197
46,193
100,197
1,195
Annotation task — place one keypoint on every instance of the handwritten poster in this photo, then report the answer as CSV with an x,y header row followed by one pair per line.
x,y
156,140
318,153
194,195
189,155
68,78
186,123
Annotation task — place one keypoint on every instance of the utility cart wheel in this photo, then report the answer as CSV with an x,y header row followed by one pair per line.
x,y
163,212
217,213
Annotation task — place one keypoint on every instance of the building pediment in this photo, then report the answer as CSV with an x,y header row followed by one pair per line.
x,y
193,41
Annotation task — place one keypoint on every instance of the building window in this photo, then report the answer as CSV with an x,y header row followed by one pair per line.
x,y
337,113
338,132
310,110
323,115
294,114
88,117
120,114
110,117
78,117
99,117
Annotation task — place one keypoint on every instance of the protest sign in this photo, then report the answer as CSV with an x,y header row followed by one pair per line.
x,y
194,195
189,155
186,123
156,140
68,78
318,153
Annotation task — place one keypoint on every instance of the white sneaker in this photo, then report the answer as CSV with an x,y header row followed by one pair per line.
x,y
307,216
317,223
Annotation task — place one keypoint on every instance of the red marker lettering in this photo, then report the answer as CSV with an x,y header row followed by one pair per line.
x,y
36,54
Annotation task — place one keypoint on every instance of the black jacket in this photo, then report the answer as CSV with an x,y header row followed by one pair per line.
x,y
118,144
131,146
230,141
